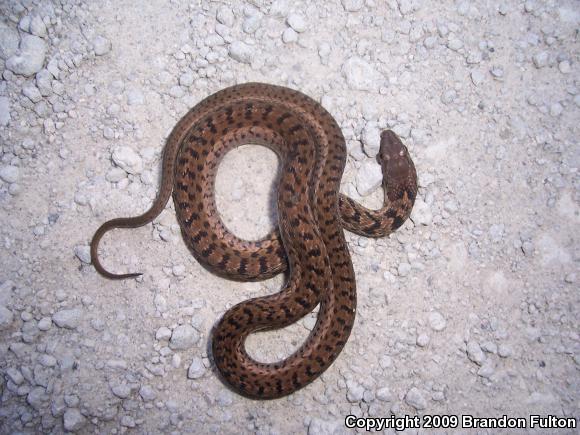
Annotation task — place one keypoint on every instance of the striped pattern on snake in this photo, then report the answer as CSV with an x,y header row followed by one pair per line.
x,y
309,241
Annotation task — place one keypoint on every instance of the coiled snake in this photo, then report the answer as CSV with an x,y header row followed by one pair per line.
x,y
310,240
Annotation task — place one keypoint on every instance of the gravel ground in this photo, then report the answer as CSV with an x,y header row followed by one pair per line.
x,y
470,308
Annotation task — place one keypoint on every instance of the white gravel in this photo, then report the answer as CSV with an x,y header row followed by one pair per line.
x,y
469,308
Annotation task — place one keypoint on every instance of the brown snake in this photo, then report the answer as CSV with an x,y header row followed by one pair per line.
x,y
312,215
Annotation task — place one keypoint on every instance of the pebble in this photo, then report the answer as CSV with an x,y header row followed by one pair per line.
x,y
73,420
369,177
147,393
565,67
352,5
436,321
14,375
421,213
83,253
225,16
9,173
196,368
360,75
556,109
9,40
32,92
44,324
504,350
122,391
31,58
68,318
101,45
37,27
422,340
135,97
487,370
384,394
128,160
289,36
416,399
6,318
540,60
128,421
163,333
4,111
183,337
474,353
241,52
186,79
477,77
371,139
297,22
318,426
355,391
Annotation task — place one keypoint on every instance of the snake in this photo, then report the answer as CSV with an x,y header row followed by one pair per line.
x,y
309,242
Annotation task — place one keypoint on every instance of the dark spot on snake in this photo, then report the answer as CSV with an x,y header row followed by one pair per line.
x,y
242,267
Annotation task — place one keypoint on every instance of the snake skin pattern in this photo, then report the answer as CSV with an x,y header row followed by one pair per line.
x,y
309,242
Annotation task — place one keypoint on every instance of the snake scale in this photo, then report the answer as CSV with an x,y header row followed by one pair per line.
x,y
309,242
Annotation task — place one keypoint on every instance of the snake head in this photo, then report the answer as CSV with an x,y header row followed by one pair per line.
x,y
393,156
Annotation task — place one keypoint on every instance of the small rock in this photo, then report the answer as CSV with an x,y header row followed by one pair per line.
x,y
147,393
369,177
6,318
4,110
14,375
415,398
360,75
352,5
403,269
45,323
474,353
384,394
128,160
73,420
504,350
225,15
186,79
421,213
128,421
437,321
8,39
9,173
122,391
196,369
355,391
183,337
565,67
101,45
540,60
289,36
135,97
32,93
31,58
371,139
163,333
241,52
556,109
68,318
251,24
477,77
37,398
83,253
423,340
487,370
37,27
297,22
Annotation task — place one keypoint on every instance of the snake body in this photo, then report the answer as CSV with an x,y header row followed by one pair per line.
x,y
309,242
